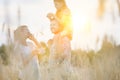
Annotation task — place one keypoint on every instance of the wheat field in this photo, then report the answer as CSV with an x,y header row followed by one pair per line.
x,y
101,65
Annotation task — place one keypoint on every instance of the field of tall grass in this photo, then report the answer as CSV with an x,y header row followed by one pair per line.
x,y
85,65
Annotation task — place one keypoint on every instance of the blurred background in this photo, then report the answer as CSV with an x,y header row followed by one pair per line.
x,y
92,20
95,46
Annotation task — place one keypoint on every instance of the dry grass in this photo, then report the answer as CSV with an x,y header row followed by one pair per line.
x,y
103,65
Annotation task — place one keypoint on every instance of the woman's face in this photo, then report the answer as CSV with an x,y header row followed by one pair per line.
x,y
25,32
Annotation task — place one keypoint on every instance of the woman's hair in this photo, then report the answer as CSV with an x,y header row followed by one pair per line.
x,y
18,31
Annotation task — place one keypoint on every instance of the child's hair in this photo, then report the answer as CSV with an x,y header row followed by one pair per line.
x,y
61,1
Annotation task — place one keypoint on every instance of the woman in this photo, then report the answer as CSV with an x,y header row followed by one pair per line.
x,y
60,53
60,50
27,61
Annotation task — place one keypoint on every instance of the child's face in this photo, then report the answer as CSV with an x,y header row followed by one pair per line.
x,y
54,26
58,5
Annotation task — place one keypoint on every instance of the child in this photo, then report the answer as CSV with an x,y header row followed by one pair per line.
x,y
63,16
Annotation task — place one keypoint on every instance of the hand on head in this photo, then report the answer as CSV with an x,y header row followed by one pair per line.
x,y
31,37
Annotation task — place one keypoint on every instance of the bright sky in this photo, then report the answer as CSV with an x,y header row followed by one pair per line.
x,y
86,25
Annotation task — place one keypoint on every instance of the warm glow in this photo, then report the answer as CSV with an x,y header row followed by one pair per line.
x,y
79,21
82,26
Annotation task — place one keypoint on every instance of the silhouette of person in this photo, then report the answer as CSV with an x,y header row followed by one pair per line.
x,y
24,54
60,50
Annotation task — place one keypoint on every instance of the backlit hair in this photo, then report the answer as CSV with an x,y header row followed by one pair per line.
x,y
18,31
61,1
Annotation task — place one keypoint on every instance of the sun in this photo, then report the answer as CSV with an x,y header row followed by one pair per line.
x,y
81,23
81,27
78,21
